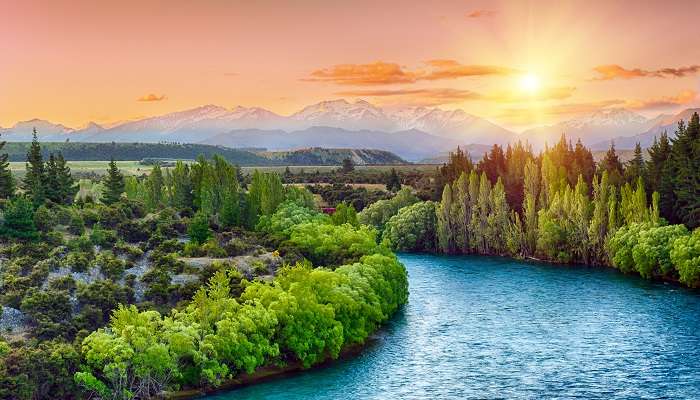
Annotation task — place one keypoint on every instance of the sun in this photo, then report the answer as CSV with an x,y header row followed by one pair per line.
x,y
530,83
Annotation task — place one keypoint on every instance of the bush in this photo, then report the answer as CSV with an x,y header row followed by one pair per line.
x,y
685,255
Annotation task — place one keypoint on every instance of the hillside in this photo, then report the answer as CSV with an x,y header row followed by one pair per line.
x,y
17,151
322,156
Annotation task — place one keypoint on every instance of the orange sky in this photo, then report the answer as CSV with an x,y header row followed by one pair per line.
x,y
77,61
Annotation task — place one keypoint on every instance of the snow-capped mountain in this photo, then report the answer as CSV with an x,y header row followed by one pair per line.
x,y
660,124
601,125
453,124
23,131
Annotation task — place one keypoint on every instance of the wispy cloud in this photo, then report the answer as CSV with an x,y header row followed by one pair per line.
x,y
151,97
683,98
437,96
383,73
614,71
481,13
231,74
425,97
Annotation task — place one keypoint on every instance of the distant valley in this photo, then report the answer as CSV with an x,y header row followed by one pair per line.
x,y
412,133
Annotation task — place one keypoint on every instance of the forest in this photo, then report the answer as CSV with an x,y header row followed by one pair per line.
x,y
559,206
133,287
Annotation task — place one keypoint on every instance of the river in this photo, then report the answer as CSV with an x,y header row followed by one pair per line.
x,y
482,327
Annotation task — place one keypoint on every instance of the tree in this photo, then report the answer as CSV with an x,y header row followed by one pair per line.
x,y
412,229
659,152
198,229
59,182
154,188
64,180
113,185
636,167
612,164
685,164
348,166
344,214
19,219
393,183
7,181
530,207
35,177
445,232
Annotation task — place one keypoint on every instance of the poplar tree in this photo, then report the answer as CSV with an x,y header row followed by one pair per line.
x,y
444,221
531,188
113,184
154,188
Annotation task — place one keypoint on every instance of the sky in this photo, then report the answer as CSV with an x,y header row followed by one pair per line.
x,y
517,63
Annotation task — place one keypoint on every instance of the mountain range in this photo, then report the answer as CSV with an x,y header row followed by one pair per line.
x,y
411,132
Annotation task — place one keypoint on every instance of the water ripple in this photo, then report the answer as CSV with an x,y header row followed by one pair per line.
x,y
491,328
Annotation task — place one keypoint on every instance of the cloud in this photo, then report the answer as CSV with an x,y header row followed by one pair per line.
x,y
451,69
436,96
231,74
383,73
481,13
424,97
151,97
614,71
547,93
377,73
682,98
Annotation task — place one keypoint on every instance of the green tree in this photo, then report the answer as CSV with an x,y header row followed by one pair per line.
x,y
19,219
636,167
7,181
345,214
612,164
154,188
35,177
198,229
445,231
113,185
412,228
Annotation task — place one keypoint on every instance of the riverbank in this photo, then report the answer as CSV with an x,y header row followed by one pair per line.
x,y
272,372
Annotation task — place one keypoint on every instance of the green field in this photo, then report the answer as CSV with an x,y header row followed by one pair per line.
x,y
136,168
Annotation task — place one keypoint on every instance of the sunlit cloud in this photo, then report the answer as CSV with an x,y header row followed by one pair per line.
x,y
377,73
383,73
424,97
614,71
683,98
151,97
481,13
543,94
437,96
451,69
231,74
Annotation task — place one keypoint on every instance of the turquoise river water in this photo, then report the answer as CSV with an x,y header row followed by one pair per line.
x,y
493,328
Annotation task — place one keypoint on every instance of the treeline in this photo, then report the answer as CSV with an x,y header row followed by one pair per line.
x,y
76,151
560,206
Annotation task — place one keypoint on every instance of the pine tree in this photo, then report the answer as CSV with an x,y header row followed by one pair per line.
x,y
113,185
52,190
181,186
348,166
7,181
636,167
685,160
612,164
393,183
659,152
64,180
35,177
